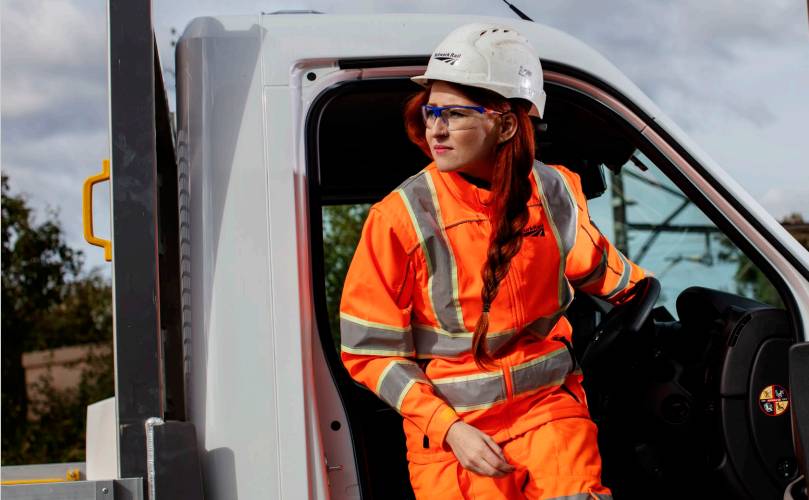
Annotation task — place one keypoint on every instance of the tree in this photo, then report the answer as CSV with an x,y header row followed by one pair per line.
x,y
47,302
342,225
750,281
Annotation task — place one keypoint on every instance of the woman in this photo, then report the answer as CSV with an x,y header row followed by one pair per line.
x,y
452,306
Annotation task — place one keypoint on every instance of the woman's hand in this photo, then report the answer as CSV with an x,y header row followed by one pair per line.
x,y
477,451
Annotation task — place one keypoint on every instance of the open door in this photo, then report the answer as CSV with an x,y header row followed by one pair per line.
x,y
684,405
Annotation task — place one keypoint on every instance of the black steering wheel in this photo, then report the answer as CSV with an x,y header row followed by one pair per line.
x,y
628,317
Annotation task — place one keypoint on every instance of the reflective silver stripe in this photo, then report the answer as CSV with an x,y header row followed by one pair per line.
x,y
545,371
566,295
479,391
562,213
540,327
472,392
359,336
596,274
432,342
624,278
419,196
560,201
397,378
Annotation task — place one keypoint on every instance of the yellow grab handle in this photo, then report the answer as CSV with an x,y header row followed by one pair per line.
x,y
87,209
70,475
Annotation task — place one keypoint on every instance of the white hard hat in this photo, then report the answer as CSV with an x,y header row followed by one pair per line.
x,y
492,57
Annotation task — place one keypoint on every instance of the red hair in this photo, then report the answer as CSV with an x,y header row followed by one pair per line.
x,y
511,190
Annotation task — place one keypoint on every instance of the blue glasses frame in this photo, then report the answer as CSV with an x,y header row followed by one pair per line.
x,y
428,110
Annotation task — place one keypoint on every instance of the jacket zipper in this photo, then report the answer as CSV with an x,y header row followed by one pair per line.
x,y
514,289
515,312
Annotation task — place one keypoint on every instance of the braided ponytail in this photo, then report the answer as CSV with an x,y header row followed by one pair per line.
x,y
510,192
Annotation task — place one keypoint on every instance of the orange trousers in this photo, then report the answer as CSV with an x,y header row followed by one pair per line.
x,y
557,460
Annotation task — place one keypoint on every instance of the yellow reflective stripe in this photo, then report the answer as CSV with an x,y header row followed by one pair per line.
x,y
456,301
472,392
374,324
464,334
555,231
596,274
418,196
360,336
572,229
540,359
384,375
396,379
402,395
562,212
420,236
548,370
467,378
623,281
376,352
483,390
423,244
481,406
433,342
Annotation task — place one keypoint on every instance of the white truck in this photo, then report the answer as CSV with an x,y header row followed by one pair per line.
x,y
228,237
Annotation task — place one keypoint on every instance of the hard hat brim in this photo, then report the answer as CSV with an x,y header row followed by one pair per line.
x,y
535,110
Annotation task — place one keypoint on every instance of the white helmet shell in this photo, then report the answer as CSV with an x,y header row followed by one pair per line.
x,y
489,56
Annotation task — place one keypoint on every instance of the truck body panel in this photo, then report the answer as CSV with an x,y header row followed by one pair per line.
x,y
269,411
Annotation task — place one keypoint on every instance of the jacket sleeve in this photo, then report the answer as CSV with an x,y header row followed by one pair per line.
x,y
376,339
594,265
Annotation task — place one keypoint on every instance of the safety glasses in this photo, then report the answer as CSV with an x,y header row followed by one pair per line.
x,y
455,117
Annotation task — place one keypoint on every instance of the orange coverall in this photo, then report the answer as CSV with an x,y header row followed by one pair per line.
x,y
410,303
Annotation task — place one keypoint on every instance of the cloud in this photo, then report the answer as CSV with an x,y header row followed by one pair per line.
x,y
685,54
54,108
787,200
732,73
54,67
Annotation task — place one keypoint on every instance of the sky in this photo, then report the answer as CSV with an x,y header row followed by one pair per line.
x,y
733,74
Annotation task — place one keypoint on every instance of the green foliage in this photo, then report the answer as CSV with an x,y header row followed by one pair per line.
x,y
56,433
342,226
47,302
750,281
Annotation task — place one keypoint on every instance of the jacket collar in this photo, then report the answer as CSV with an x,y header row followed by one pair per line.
x,y
471,196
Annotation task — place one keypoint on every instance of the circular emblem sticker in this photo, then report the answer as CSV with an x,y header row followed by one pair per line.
x,y
773,400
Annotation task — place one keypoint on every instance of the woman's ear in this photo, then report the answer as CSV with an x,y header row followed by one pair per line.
x,y
508,127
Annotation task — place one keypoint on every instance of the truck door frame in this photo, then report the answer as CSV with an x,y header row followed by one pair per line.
x,y
727,212
147,334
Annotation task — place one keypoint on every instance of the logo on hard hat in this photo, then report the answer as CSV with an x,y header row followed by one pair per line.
x,y
523,71
447,57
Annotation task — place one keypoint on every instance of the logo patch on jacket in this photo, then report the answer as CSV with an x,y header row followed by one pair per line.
x,y
535,230
447,57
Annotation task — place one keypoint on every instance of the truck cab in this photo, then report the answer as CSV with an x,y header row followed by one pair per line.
x,y
232,234
290,126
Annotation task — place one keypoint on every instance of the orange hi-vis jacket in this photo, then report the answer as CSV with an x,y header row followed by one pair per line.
x,y
412,297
